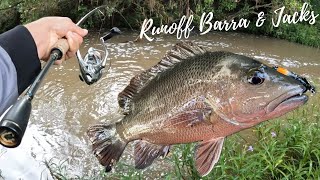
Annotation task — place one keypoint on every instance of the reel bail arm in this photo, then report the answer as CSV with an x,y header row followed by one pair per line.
x,y
92,64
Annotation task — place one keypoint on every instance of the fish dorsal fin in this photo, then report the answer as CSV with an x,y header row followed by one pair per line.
x,y
145,153
181,51
207,155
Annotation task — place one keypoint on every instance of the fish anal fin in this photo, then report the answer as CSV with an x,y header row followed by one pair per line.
x,y
207,155
180,52
145,153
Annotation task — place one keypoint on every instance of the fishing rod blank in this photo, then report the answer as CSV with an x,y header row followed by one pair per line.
x,y
15,120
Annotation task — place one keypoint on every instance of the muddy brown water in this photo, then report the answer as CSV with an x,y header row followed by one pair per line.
x,y
65,107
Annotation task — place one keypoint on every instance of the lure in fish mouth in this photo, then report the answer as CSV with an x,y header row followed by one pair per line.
x,y
193,95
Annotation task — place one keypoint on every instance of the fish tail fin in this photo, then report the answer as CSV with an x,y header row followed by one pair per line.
x,y
107,145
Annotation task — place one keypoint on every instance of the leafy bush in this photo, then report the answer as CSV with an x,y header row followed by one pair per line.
x,y
9,15
31,10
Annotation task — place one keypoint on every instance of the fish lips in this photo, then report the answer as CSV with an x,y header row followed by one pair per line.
x,y
287,101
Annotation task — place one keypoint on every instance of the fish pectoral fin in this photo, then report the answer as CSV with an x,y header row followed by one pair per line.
x,y
145,153
188,118
207,155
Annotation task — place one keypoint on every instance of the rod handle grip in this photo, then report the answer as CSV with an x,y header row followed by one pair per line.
x,y
63,46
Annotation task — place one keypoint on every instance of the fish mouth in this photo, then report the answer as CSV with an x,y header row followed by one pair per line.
x,y
287,101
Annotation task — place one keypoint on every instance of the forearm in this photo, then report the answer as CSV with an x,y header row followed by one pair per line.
x,y
19,64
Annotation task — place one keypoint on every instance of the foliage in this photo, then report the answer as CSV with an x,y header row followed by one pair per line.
x,y
9,16
301,33
31,10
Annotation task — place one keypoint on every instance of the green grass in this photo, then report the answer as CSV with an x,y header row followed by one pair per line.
x,y
284,148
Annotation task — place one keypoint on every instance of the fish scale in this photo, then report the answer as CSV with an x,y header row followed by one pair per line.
x,y
157,94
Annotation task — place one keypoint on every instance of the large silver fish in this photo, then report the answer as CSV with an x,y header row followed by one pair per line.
x,y
193,95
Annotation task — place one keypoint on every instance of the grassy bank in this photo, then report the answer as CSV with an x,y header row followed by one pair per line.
x,y
285,148
119,13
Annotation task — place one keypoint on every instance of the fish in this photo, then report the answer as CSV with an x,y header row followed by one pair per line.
x,y
194,95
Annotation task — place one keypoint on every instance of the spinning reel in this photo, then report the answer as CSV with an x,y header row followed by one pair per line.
x,y
92,64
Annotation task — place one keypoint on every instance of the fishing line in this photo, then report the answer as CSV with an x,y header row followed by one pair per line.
x,y
100,29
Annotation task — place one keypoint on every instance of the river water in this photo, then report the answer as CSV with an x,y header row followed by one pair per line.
x,y
65,107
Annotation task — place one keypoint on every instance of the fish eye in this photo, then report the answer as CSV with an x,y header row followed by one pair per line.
x,y
256,77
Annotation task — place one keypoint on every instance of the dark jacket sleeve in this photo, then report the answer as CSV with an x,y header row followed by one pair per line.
x,y
19,64
8,81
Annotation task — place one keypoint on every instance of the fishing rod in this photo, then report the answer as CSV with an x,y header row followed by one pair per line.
x,y
14,121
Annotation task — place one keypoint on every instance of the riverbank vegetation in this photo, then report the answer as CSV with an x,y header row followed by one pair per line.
x,y
119,13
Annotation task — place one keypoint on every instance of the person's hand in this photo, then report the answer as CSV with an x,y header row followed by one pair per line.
x,y
48,30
